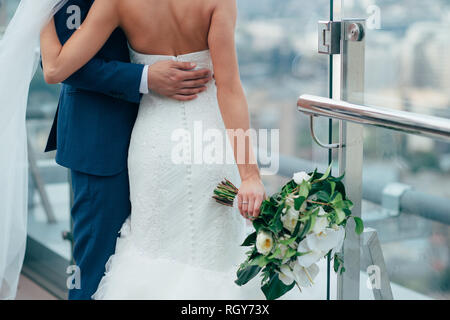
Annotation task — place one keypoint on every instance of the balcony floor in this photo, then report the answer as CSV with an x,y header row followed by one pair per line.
x,y
28,290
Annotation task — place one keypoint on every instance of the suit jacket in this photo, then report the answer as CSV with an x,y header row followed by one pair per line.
x,y
97,106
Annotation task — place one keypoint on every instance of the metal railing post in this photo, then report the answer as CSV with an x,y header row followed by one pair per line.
x,y
40,185
351,151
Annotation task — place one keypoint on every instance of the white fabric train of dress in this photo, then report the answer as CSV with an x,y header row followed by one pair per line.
x,y
178,242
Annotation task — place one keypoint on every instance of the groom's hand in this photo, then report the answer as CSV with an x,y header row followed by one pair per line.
x,y
177,80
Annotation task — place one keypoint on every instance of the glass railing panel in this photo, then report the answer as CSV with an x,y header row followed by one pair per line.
x,y
42,103
407,67
407,54
415,247
277,47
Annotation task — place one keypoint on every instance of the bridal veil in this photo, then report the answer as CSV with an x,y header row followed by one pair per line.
x,y
19,57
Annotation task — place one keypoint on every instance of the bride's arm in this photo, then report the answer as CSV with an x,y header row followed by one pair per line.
x,y
233,103
58,61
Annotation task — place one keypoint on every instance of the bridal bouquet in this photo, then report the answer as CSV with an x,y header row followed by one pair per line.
x,y
296,228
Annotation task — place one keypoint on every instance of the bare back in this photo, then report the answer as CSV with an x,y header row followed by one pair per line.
x,y
166,27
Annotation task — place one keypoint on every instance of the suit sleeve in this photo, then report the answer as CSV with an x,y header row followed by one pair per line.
x,y
114,78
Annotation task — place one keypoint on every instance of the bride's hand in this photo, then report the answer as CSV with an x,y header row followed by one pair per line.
x,y
251,195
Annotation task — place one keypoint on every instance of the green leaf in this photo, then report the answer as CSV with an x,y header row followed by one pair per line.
x,y
359,228
305,229
337,199
332,186
340,188
275,253
299,254
297,228
298,202
275,288
340,215
305,186
246,274
323,196
288,242
258,224
274,223
313,222
348,204
260,261
338,179
326,174
338,263
250,240
290,253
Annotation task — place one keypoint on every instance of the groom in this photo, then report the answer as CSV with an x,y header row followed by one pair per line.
x,y
92,128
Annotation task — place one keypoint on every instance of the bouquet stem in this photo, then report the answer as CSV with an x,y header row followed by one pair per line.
x,y
225,193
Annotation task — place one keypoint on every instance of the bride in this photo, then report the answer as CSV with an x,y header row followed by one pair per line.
x,y
178,243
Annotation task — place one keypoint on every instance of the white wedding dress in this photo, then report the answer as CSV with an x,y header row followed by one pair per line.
x,y
178,242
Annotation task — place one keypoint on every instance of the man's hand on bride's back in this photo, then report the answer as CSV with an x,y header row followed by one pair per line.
x,y
177,80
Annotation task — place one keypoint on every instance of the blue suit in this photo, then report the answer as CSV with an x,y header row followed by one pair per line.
x,y
91,132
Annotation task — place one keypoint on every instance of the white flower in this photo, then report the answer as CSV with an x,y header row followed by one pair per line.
x,y
321,212
321,222
318,245
289,201
283,248
286,275
290,219
264,242
320,225
310,257
300,176
302,275
305,276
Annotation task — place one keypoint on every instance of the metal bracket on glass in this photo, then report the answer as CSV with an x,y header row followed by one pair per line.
x,y
316,140
329,37
354,31
391,197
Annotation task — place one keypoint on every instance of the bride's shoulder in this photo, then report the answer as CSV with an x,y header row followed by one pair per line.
x,y
225,4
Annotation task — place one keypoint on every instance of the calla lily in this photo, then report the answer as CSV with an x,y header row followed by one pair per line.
x,y
316,246
326,240
309,256
305,276
302,275
286,275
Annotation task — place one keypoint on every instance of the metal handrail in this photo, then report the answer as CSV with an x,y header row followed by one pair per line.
x,y
408,122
